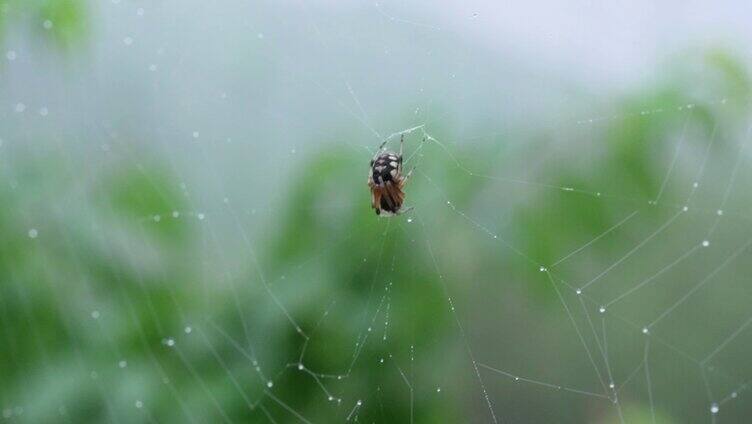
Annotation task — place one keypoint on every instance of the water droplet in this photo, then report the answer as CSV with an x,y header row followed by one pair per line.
x,y
611,385
188,330
269,384
645,330
200,216
300,367
33,233
95,314
11,55
47,24
123,364
686,208
542,269
157,218
20,107
139,404
127,41
438,389
195,134
331,398
578,291
705,243
719,212
695,184
44,111
734,395
409,220
714,408
170,342
175,214
602,309
359,402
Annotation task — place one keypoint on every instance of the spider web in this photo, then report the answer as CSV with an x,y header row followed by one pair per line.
x,y
226,278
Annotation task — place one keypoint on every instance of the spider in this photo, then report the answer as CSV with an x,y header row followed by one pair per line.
x,y
386,181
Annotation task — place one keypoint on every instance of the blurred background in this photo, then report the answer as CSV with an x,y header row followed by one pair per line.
x,y
186,234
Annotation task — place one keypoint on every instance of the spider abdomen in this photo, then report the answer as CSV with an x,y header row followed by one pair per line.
x,y
386,168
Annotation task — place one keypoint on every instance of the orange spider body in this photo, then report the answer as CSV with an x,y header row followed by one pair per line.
x,y
386,181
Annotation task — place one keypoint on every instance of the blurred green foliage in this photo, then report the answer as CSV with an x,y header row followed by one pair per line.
x,y
62,21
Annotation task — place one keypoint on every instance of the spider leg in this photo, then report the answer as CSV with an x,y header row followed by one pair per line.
x,y
378,151
381,146
404,210
407,177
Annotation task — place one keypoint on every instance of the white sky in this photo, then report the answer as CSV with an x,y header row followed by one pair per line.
x,y
604,40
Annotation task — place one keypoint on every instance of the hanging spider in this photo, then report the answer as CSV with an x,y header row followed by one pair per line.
x,y
386,181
